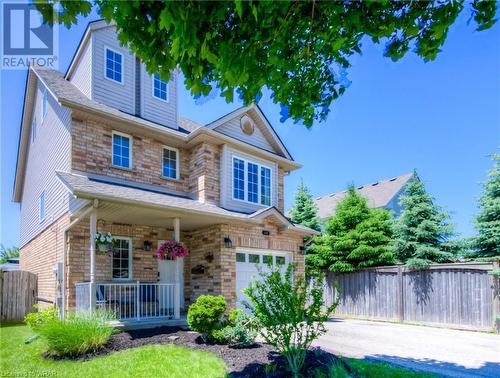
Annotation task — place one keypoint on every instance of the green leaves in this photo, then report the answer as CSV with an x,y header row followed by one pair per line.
x,y
304,210
285,46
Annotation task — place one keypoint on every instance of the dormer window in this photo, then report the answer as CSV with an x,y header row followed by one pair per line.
x,y
114,65
160,88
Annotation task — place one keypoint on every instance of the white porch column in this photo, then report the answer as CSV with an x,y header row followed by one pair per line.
x,y
93,231
177,296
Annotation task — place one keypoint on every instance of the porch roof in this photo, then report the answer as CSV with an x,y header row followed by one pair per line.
x,y
158,201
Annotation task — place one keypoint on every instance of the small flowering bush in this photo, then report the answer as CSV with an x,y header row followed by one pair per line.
x,y
171,249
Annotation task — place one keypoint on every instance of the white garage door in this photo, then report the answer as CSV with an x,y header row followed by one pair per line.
x,y
247,263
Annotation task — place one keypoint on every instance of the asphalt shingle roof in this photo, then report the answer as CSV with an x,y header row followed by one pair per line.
x,y
379,194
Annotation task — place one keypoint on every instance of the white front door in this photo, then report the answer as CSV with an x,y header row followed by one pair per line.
x,y
167,273
249,261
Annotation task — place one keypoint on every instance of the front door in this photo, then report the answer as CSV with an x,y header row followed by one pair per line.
x,y
167,273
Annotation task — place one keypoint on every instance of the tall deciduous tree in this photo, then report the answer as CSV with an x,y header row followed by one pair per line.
x,y
355,237
304,210
488,220
300,50
422,230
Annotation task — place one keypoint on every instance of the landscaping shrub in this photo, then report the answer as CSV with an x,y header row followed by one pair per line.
x,y
206,316
77,335
289,313
234,313
35,320
241,333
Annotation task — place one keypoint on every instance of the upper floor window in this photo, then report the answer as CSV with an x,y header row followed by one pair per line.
x,y
160,88
122,150
170,164
251,182
43,110
114,65
122,259
41,206
33,130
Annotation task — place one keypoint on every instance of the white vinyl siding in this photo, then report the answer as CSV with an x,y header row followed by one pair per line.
x,y
82,74
122,259
41,207
121,150
33,130
119,95
251,181
43,109
154,109
50,153
160,88
170,163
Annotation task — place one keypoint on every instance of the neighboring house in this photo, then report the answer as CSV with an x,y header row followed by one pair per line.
x,y
103,149
10,265
384,193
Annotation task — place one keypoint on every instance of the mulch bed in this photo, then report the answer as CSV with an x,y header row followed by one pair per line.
x,y
240,362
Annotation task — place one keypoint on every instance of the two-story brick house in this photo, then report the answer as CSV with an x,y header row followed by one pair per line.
x,y
103,149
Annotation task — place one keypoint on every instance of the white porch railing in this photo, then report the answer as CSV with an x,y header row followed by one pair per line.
x,y
129,301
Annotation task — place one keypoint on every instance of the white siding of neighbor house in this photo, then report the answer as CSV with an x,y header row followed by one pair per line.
x,y
226,183
108,92
82,74
50,151
232,128
154,109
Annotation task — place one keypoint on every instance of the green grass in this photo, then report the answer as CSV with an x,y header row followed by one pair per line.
x,y
25,360
374,370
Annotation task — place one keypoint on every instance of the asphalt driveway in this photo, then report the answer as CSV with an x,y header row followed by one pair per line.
x,y
442,351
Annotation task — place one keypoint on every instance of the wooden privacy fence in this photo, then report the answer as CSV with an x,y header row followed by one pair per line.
x,y
454,295
18,291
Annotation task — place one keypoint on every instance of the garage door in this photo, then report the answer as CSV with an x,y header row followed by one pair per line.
x,y
247,268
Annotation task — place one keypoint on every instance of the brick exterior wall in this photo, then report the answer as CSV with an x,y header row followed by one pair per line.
x,y
40,256
204,167
281,190
91,152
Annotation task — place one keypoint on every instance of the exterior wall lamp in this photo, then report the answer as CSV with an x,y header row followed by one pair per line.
x,y
228,243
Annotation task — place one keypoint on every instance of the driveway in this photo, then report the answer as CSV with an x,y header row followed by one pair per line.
x,y
437,350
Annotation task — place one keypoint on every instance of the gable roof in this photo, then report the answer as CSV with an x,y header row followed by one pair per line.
x,y
379,194
254,112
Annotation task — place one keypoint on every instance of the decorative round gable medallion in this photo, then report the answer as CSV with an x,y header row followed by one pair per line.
x,y
247,125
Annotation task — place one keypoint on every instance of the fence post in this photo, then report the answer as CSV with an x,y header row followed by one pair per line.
x,y
400,299
495,280
137,298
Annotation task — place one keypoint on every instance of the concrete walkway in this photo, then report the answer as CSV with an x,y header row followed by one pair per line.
x,y
437,350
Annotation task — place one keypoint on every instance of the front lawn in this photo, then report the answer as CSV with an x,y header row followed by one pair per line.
x,y
25,360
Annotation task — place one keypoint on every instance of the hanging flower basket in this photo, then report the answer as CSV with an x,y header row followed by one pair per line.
x,y
104,242
171,250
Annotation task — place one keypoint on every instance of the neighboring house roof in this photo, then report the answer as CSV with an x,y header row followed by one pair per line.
x,y
379,194
66,94
85,187
11,265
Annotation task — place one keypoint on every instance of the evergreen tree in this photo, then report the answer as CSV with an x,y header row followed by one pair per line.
x,y
355,237
422,230
488,219
304,211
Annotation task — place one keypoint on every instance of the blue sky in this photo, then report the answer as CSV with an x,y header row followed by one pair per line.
x,y
441,117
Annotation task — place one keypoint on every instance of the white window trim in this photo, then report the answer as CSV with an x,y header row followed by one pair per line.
x,y
130,154
122,82
43,112
288,255
129,260
40,207
177,173
153,89
245,181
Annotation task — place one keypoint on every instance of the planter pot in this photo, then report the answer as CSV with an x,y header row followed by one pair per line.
x,y
102,247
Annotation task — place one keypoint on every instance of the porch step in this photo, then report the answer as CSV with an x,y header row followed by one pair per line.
x,y
129,324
